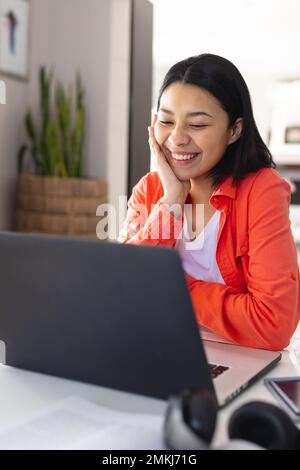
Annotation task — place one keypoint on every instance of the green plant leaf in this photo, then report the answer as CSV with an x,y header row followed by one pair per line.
x,y
54,148
77,145
64,110
57,143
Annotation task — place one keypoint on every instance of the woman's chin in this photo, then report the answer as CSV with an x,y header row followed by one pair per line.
x,y
182,177
183,174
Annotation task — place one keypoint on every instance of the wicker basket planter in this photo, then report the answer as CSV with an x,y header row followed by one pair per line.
x,y
59,206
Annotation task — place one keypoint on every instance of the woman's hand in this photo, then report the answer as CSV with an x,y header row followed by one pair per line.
x,y
175,191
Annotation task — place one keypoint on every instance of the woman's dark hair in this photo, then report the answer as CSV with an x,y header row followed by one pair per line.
x,y
224,81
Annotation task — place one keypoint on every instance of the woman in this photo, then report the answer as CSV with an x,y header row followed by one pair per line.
x,y
244,278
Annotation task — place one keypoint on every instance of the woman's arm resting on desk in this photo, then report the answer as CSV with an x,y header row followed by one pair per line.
x,y
267,315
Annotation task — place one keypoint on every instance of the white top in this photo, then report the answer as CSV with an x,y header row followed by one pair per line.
x,y
199,256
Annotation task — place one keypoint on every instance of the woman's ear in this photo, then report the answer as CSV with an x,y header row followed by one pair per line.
x,y
236,131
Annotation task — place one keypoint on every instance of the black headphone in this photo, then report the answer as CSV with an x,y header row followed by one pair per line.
x,y
191,417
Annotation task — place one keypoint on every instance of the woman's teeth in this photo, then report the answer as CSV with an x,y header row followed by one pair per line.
x,y
184,157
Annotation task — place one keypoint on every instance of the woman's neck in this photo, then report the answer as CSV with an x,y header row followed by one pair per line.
x,y
201,190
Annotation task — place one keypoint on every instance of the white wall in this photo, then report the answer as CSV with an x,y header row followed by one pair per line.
x,y
262,38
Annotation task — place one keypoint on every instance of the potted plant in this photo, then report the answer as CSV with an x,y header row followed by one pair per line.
x,y
56,199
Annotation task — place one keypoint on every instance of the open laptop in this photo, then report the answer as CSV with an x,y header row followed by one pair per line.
x,y
115,315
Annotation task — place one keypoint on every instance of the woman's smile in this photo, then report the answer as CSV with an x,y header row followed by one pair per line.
x,y
183,159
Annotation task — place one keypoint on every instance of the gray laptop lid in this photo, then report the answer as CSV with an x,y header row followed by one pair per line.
x,y
114,315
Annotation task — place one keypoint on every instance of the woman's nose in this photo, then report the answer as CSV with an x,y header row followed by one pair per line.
x,y
178,137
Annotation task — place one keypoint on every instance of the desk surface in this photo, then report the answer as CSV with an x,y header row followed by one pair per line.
x,y
24,393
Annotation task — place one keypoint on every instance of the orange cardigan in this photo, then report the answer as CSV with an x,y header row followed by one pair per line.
x,y
259,304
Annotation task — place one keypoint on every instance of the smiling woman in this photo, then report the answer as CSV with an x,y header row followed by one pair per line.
x,y
212,160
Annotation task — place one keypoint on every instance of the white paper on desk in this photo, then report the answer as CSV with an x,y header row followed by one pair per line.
x,y
75,423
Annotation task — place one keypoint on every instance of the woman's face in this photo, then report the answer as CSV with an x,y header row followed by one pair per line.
x,y
192,130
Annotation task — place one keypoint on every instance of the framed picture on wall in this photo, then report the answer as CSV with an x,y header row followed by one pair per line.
x,y
292,135
14,20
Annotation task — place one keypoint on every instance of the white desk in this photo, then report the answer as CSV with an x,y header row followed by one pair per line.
x,y
23,393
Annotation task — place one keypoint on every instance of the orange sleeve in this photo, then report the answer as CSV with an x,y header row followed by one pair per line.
x,y
267,315
148,224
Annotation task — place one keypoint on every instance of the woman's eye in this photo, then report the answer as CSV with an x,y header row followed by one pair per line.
x,y
195,126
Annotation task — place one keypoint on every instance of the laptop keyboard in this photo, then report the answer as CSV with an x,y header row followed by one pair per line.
x,y
216,371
